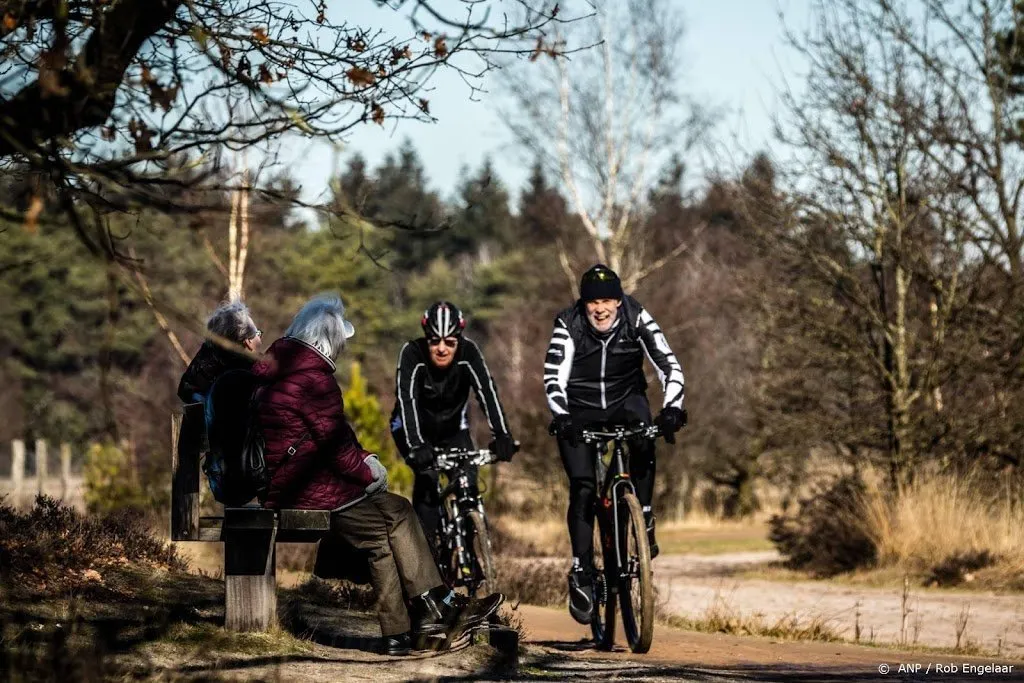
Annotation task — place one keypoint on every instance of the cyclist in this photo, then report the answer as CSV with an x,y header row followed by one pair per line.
x,y
432,384
593,374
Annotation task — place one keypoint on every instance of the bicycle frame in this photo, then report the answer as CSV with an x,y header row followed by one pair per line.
x,y
614,480
458,498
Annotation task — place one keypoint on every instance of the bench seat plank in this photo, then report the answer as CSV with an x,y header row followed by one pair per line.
x,y
293,526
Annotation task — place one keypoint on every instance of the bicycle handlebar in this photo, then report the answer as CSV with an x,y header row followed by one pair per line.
x,y
451,458
620,433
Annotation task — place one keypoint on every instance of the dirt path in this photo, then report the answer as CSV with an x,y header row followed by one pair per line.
x,y
692,584
685,655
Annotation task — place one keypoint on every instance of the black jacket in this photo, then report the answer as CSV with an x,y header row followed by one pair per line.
x,y
209,363
431,404
589,374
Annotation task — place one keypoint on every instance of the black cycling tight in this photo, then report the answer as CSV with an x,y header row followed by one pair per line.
x,y
579,463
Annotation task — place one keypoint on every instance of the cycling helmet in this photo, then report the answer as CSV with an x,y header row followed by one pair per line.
x,y
443,319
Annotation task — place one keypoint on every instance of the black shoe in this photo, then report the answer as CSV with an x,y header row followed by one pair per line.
x,y
431,615
477,611
398,645
651,542
581,595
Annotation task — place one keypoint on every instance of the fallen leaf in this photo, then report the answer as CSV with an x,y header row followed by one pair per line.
x,y
91,575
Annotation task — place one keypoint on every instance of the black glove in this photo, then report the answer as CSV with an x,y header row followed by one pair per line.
x,y
563,427
670,421
421,457
504,447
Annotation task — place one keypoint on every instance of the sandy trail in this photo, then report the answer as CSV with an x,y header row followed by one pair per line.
x,y
691,584
685,655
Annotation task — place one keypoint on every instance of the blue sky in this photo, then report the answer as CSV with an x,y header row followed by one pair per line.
x,y
735,58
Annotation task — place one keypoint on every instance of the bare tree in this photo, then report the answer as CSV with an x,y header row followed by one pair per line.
x,y
897,179
124,103
605,121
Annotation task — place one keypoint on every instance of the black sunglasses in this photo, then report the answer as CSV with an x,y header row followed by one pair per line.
x,y
450,342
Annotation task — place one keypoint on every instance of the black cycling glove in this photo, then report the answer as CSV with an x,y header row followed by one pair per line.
x,y
421,457
562,427
504,447
670,421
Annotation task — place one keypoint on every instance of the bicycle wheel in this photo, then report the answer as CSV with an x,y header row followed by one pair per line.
x,y
483,557
636,585
602,624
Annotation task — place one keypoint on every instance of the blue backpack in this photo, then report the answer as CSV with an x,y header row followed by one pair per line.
x,y
234,465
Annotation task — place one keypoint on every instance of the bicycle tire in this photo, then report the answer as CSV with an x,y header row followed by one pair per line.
x,y
483,556
602,624
636,593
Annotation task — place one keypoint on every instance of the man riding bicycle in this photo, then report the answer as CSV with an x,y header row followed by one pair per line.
x,y
593,374
435,374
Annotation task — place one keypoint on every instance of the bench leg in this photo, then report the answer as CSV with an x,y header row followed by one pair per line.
x,y
250,580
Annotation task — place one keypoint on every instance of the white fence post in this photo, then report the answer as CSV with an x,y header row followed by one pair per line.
x,y
17,469
41,469
65,471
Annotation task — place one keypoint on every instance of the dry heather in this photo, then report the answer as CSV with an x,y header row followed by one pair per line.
x,y
53,547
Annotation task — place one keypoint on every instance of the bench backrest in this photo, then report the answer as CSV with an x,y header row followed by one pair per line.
x,y
188,442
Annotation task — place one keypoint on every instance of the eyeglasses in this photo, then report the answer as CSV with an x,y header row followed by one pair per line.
x,y
450,342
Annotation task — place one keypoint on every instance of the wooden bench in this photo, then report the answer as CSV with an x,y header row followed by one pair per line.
x,y
249,534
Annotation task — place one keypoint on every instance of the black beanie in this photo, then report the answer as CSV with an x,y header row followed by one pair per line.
x,y
600,282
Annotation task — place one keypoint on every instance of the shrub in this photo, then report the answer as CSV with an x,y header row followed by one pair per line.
x,y
110,483
53,546
829,533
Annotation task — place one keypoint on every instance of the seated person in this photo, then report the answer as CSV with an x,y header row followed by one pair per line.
x,y
229,325
316,462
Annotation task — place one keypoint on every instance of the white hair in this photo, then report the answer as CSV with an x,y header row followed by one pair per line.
x,y
321,323
232,321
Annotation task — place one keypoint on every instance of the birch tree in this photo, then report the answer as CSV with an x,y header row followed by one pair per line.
x,y
605,121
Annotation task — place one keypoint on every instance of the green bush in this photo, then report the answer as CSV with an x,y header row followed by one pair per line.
x,y
110,483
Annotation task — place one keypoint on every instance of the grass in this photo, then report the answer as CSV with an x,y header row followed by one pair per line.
x,y
946,530
204,639
725,537
548,537
952,529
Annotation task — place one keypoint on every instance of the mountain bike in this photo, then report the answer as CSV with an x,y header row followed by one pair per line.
x,y
622,555
465,556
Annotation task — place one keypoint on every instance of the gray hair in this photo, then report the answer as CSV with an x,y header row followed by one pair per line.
x,y
321,323
232,321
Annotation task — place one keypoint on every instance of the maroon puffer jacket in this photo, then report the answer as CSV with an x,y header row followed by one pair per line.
x,y
301,396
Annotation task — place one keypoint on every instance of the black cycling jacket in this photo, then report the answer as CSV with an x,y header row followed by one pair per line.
x,y
590,374
432,404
